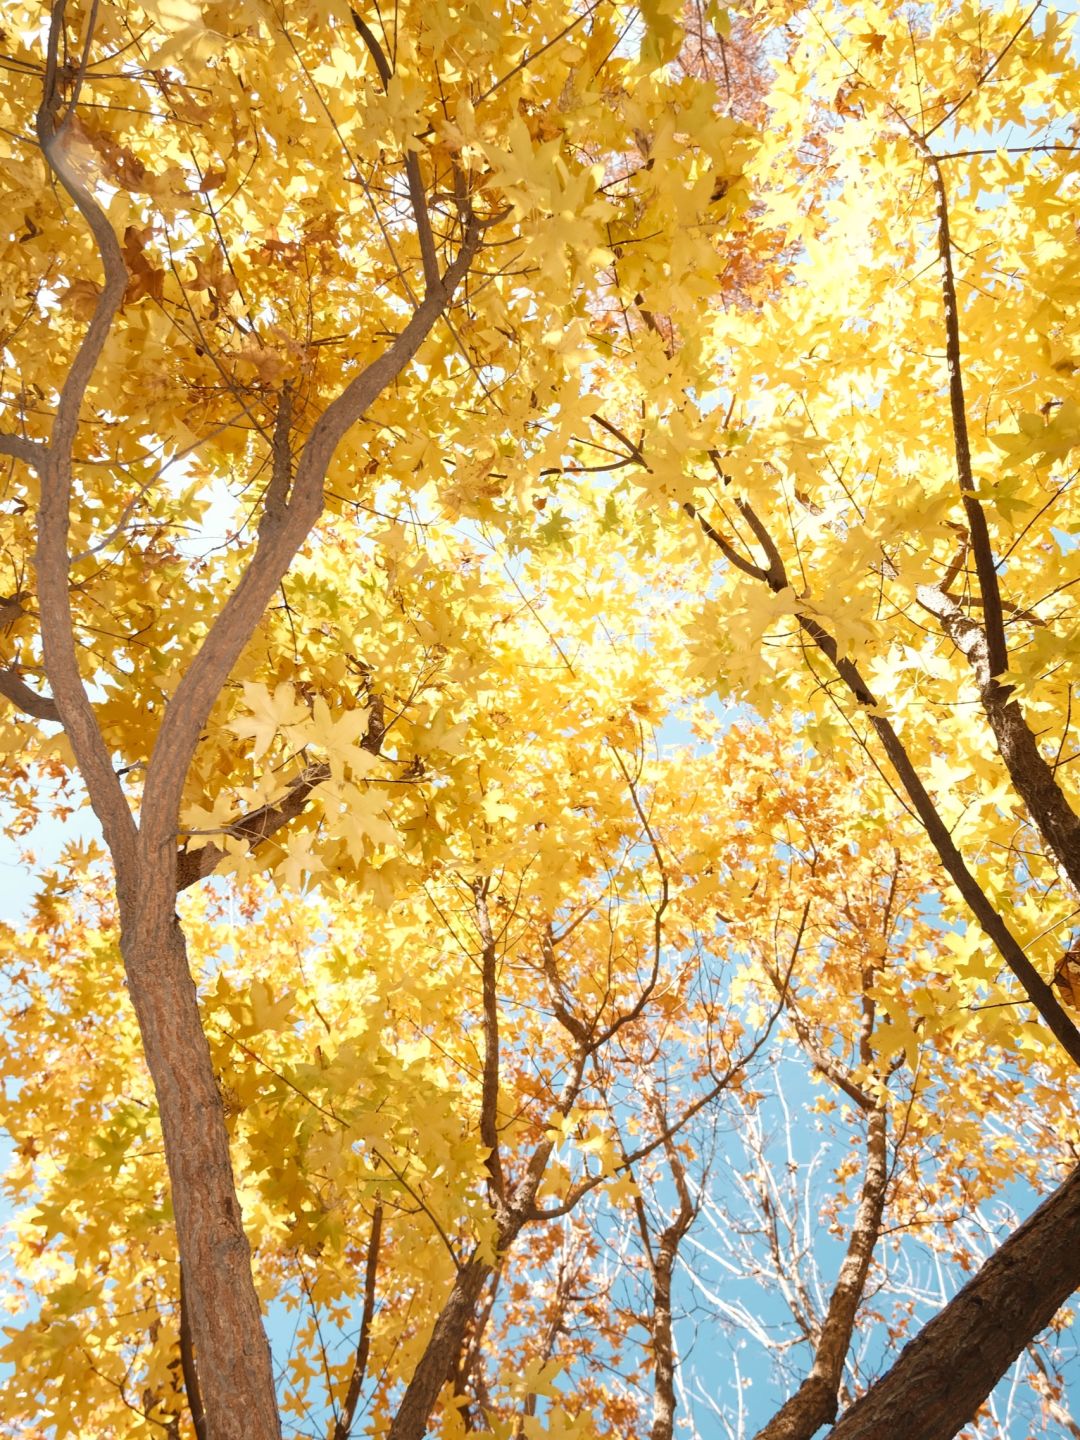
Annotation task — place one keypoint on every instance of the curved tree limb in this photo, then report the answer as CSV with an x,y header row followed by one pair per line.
x,y
55,469
15,689
947,1371
31,452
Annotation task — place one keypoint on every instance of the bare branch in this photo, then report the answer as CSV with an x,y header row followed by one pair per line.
x,y
343,1425
13,688
31,452
815,1402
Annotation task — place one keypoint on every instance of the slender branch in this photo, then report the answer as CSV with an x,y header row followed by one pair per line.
x,y
566,1018
726,549
1053,1406
988,71
343,1425
662,1265
417,197
695,1107
985,567
188,1367
815,1402
489,1102
1034,986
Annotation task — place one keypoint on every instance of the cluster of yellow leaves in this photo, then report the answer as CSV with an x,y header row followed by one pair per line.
x,y
489,689
346,1023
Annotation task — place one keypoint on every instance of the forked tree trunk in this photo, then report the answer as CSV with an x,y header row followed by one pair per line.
x,y
948,1370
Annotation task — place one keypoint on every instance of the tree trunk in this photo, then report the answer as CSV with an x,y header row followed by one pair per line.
x,y
947,1371
231,1350
663,1416
440,1354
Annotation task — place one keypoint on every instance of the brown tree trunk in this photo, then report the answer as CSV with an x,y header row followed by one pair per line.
x,y
233,1355
440,1354
947,1371
663,1418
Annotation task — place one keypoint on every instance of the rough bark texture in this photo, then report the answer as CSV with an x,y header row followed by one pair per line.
x,y
663,1420
662,1263
440,1355
947,1371
232,1352
225,1336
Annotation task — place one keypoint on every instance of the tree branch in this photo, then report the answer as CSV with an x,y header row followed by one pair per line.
x,y
662,1265
202,681
188,1367
194,865
343,1425
1032,775
276,496
947,1371
31,452
985,568
55,468
489,1101
815,1402
417,199
13,688
1034,986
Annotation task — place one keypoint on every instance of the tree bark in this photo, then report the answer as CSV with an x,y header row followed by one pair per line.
x,y
232,1352
663,1416
948,1370
440,1354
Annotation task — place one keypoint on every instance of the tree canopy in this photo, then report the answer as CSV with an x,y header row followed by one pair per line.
x,y
543,535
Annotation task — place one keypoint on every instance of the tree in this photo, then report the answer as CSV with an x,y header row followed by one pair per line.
x,y
896,606
455,324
